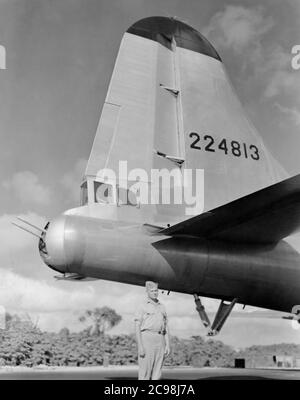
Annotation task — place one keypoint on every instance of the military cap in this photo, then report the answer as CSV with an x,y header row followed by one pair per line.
x,y
151,285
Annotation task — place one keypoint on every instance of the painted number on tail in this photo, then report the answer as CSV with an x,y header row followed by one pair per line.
x,y
233,147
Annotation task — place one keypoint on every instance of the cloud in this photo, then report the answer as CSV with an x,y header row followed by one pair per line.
x,y
238,27
266,65
293,113
275,69
71,180
27,294
281,81
26,187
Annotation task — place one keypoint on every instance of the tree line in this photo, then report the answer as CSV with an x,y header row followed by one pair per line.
x,y
22,343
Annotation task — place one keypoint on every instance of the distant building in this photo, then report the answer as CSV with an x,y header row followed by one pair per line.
x,y
284,361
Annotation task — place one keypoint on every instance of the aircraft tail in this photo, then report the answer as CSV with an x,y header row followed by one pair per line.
x,y
170,105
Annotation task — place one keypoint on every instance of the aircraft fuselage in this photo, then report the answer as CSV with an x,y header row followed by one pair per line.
x,y
265,276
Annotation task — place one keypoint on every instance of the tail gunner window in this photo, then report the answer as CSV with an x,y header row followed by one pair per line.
x,y
126,197
103,193
84,194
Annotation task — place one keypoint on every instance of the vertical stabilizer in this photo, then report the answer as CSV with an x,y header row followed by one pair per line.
x,y
170,105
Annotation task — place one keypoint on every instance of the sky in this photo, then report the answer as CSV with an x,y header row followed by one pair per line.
x,y
59,59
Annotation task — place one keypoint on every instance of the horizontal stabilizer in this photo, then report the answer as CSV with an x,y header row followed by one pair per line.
x,y
265,216
74,277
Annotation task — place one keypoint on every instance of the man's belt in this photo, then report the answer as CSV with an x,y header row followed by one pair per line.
x,y
161,332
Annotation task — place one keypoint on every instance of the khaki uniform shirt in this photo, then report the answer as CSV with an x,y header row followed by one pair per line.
x,y
152,316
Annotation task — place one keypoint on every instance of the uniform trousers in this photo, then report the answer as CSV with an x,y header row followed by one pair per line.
x,y
150,366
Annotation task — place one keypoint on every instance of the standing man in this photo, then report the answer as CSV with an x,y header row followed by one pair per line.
x,y
152,333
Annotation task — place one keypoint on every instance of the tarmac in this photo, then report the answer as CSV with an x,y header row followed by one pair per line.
x,y
131,373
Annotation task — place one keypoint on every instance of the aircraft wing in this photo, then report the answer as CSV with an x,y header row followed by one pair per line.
x,y
265,216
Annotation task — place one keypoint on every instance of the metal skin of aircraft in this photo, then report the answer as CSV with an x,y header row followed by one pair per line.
x,y
170,105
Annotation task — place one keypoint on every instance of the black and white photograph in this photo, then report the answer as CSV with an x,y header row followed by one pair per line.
x,y
150,192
